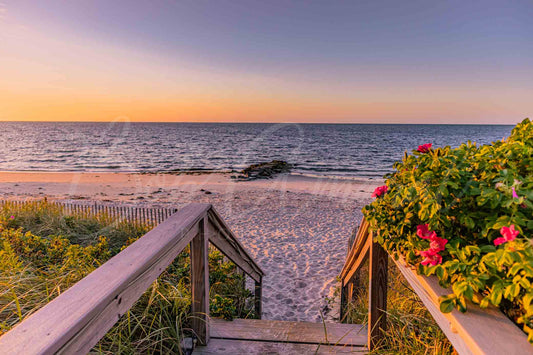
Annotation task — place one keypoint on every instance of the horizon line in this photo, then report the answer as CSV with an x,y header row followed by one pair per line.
x,y
273,122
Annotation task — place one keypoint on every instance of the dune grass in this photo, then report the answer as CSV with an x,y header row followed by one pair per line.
x,y
44,251
410,327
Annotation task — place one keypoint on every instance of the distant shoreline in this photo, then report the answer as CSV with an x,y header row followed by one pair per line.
x,y
199,172
146,188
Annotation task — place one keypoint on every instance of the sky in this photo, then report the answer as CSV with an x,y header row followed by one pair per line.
x,y
267,61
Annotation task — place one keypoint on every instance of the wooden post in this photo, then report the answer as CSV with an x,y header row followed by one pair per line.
x,y
258,297
349,293
200,283
377,308
343,303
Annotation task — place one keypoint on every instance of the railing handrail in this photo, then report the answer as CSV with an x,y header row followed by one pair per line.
x,y
78,318
357,252
223,238
478,331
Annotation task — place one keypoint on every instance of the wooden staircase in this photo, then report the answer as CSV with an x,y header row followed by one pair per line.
x,y
77,319
255,336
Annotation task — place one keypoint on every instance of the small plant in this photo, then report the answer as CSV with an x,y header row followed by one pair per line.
x,y
465,215
222,307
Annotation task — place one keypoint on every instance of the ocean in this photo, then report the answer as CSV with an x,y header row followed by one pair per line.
x,y
340,150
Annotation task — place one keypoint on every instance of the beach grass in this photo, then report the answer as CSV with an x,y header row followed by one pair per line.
x,y
43,252
410,327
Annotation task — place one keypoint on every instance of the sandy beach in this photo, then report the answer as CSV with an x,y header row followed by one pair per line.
x,y
296,227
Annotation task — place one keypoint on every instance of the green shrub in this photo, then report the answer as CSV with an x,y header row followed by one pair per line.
x,y
452,211
222,307
35,268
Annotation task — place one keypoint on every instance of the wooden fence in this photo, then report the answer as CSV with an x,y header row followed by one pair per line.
x,y
77,319
478,331
150,216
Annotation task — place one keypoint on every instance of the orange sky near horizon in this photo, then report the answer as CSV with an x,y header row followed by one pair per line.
x,y
49,75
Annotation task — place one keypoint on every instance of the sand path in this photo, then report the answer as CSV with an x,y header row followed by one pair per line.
x,y
295,227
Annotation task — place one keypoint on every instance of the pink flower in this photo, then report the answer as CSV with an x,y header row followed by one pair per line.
x,y
380,191
427,253
437,244
508,234
515,195
499,241
424,148
12,217
431,257
423,232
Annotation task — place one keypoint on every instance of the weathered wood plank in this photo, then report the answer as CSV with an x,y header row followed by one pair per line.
x,y
294,332
357,254
478,331
200,283
75,320
242,347
221,237
377,305
258,296
357,262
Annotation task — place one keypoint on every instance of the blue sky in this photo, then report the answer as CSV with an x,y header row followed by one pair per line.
x,y
304,61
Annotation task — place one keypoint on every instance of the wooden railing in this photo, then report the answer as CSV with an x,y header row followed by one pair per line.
x,y
478,331
76,320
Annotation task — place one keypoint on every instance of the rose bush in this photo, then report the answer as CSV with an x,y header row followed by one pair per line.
x,y
465,215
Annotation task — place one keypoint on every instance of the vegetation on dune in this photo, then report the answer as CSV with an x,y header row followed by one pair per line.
x,y
410,327
465,215
43,252
44,218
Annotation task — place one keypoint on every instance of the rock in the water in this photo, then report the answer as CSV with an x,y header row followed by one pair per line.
x,y
266,170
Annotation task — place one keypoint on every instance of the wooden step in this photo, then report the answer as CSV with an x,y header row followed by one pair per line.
x,y
254,336
245,347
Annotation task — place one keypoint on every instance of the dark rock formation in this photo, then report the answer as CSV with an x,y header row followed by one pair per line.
x,y
265,170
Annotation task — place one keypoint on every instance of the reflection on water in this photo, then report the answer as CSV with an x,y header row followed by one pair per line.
x,y
350,150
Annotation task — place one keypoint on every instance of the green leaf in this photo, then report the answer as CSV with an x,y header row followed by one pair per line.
x,y
446,306
496,296
487,248
469,222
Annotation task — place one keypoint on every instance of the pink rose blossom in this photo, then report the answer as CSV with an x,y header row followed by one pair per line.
x,y
431,257
380,191
12,217
427,253
499,241
438,244
423,232
424,148
508,234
